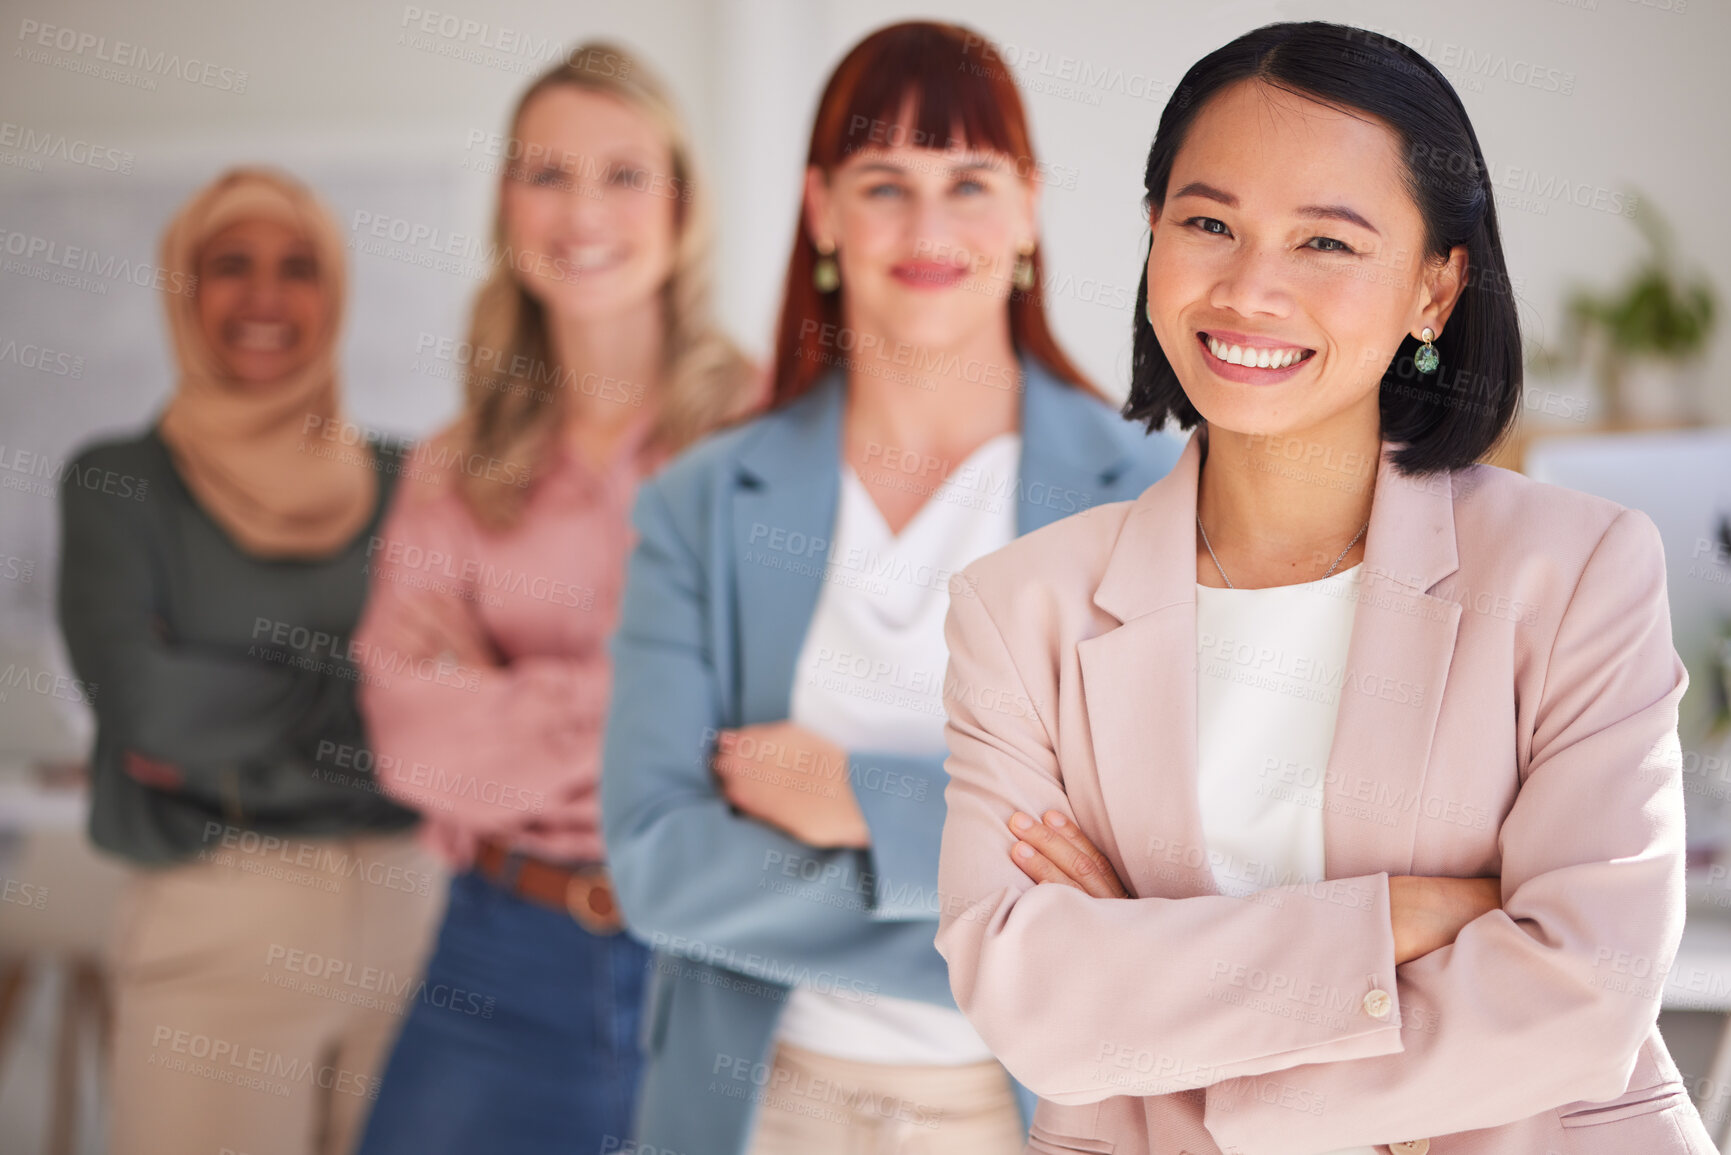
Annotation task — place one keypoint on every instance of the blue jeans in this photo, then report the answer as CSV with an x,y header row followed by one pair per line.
x,y
524,1038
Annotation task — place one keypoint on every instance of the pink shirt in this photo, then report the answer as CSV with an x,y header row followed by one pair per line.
x,y
510,752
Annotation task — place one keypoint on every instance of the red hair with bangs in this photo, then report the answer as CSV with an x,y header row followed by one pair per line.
x,y
957,81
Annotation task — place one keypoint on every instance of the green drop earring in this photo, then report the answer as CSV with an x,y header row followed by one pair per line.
x,y
1427,358
825,274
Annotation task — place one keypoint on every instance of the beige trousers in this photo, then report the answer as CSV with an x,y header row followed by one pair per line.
x,y
816,1103
258,989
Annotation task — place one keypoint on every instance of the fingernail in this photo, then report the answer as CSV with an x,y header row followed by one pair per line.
x,y
1023,850
1055,818
1020,821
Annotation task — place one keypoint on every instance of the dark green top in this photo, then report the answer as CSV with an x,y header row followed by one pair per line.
x,y
222,685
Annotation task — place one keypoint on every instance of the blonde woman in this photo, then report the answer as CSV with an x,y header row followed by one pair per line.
x,y
593,358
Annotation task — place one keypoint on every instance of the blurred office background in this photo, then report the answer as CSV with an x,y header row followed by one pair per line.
x,y
1603,122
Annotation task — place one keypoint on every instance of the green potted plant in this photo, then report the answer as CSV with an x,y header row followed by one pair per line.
x,y
1642,340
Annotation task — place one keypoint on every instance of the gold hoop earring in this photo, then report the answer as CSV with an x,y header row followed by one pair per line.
x,y
825,273
1024,274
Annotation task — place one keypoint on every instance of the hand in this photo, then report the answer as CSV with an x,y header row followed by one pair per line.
x,y
430,625
794,780
1427,913
1056,850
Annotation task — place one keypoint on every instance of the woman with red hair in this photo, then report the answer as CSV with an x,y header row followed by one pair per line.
x,y
773,785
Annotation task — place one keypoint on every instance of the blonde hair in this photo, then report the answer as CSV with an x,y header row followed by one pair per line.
x,y
706,380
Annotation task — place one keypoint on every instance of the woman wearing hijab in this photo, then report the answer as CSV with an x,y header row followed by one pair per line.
x,y
211,571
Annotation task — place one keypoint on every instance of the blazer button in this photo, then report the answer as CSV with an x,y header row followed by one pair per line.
x,y
1410,1147
1377,1004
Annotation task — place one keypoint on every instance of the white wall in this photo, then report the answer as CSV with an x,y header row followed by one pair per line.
x,y
341,93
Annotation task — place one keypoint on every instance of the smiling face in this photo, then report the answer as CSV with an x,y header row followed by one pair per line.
x,y
926,239
590,204
261,306
1286,264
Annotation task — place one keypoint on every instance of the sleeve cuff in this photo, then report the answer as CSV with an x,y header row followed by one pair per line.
x,y
903,805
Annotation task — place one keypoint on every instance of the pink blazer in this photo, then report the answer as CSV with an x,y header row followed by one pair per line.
x,y
1509,707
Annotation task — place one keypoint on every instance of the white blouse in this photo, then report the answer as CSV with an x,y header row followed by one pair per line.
x,y
870,677
1270,666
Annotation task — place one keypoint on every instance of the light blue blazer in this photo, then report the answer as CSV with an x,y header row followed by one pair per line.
x,y
732,540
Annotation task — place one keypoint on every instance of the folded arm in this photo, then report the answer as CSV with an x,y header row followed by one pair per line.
x,y
693,876
891,806
1524,1012
902,798
188,720
484,745
1083,997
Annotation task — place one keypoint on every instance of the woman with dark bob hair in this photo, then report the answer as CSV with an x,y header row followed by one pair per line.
x,y
1350,794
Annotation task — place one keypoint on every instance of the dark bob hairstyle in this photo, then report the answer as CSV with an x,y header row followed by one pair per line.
x,y
1443,420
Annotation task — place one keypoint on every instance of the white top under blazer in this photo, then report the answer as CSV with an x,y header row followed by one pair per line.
x,y
1269,670
870,677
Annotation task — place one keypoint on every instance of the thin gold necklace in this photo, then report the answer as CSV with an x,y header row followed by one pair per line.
x,y
1324,577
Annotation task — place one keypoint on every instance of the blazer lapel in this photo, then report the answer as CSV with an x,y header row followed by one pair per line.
x,y
1139,683
784,509
1398,658
789,485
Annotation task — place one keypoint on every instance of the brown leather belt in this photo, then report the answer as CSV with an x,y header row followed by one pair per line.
x,y
581,891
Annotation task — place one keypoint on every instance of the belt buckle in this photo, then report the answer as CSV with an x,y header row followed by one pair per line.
x,y
589,900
